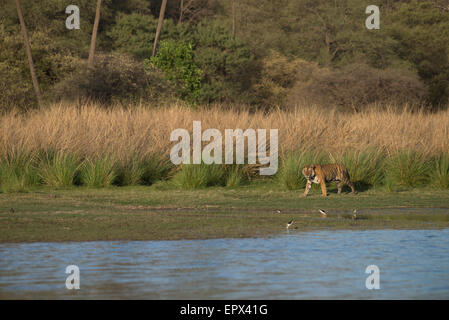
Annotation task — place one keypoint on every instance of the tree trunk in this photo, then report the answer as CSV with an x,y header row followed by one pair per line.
x,y
233,18
181,11
30,57
90,60
159,26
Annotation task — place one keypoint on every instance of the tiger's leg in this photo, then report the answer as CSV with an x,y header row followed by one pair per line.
x,y
349,183
339,185
323,188
308,186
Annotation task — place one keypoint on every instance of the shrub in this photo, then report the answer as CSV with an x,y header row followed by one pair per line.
x,y
52,63
195,176
407,169
156,168
130,172
17,173
236,175
229,68
439,175
365,167
134,33
357,86
176,59
98,172
277,76
58,169
142,170
113,78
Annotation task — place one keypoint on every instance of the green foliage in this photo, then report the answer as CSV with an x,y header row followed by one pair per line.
x,y
176,59
257,65
365,167
113,78
58,169
130,172
134,33
439,175
98,172
17,173
52,63
407,169
196,176
142,170
228,66
157,168
357,86
413,36
235,176
421,31
278,75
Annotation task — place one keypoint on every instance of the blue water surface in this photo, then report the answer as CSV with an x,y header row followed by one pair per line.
x,y
413,264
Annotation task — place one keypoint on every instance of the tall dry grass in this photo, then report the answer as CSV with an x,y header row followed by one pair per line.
x,y
96,147
91,130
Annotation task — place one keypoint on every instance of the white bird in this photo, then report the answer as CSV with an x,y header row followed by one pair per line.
x,y
354,214
290,223
278,211
323,213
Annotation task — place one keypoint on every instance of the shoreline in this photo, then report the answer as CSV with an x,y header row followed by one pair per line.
x,y
147,213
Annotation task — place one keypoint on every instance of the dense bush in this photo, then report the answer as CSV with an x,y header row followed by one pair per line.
x,y
229,68
277,77
52,63
134,33
115,78
247,55
357,86
176,59
407,170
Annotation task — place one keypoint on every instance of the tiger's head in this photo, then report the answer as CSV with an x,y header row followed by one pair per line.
x,y
309,172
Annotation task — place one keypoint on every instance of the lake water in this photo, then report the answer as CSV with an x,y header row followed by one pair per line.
x,y
413,264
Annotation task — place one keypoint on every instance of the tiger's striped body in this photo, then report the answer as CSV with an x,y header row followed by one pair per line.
x,y
327,173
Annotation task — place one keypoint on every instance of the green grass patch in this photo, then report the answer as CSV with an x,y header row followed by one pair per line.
x,y
407,170
58,169
439,174
197,176
365,167
98,172
17,173
156,168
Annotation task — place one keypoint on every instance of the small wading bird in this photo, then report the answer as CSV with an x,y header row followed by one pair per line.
x,y
11,210
278,211
354,214
290,223
323,213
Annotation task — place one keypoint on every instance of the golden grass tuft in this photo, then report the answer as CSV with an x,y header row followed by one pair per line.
x,y
90,130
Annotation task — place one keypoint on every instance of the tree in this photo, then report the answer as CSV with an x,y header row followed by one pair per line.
x,y
159,26
181,11
94,35
193,11
30,57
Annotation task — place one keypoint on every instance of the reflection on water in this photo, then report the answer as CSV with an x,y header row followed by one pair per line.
x,y
303,265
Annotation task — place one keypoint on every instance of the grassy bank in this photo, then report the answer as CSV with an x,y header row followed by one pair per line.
x,y
163,212
86,173
66,145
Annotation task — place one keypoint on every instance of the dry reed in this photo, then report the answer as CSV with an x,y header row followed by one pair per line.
x,y
90,130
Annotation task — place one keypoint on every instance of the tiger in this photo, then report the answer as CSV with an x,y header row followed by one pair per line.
x,y
327,173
